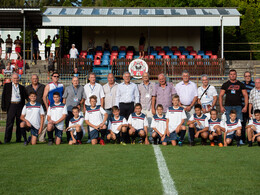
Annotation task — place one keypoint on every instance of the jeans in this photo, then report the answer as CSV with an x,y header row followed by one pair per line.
x,y
238,109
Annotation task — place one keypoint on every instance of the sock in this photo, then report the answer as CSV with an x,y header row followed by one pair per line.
x,y
238,139
50,136
203,140
183,132
192,133
68,136
155,140
79,135
219,138
124,137
250,143
133,137
23,131
103,134
258,143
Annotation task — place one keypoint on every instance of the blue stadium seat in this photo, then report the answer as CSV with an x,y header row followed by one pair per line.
x,y
174,57
136,57
205,57
122,53
182,48
99,48
189,57
151,48
105,57
166,48
169,53
121,56
185,53
114,48
200,52
158,57
90,57
106,53
105,62
154,53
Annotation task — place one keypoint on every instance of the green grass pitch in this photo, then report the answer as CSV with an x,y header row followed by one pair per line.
x,y
131,169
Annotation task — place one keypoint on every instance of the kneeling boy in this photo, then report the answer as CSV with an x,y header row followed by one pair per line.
x,y
32,118
138,125
215,128
253,129
96,118
76,127
174,125
198,126
232,129
117,125
56,115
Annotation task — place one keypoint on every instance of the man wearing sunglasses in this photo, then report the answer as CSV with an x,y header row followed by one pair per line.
x,y
51,88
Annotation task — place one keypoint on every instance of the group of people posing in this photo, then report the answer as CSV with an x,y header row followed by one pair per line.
x,y
120,113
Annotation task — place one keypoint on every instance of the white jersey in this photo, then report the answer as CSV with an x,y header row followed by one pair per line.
x,y
138,121
175,116
232,125
256,124
95,116
213,123
159,123
56,111
33,114
204,121
96,90
115,123
77,121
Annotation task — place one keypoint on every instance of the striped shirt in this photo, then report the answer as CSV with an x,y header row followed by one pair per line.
x,y
249,87
254,98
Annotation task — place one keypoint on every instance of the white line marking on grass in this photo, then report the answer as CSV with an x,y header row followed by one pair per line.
x,y
167,181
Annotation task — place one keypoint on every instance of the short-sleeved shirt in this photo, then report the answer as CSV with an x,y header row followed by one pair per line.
x,y
56,111
33,114
145,92
76,121
233,93
164,95
8,43
256,124
203,119
138,121
159,123
207,98
254,98
175,116
213,123
115,123
73,96
110,95
249,87
55,88
232,125
96,90
74,53
95,115
186,92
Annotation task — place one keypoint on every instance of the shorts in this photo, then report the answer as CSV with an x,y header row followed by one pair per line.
x,y
18,49
58,133
50,68
137,131
141,47
34,131
117,135
172,137
36,51
93,134
8,50
198,130
231,136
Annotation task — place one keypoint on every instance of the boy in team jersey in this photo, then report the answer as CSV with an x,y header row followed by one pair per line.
x,y
215,128
56,115
175,116
253,129
32,118
232,129
96,118
117,127
76,127
198,126
138,125
158,125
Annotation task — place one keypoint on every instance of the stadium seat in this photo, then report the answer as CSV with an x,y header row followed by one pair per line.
x,y
98,57
105,62
136,57
190,62
105,57
190,57
130,53
112,58
169,53
90,57
205,57
181,48
182,56
151,48
177,53
185,53
166,57
198,57
166,48
158,57
154,53
208,53
193,53
174,48
174,57
151,56
114,53
201,53
129,57
161,53
97,62
114,48
122,53
121,56
214,57
122,48
189,48
106,53
158,48
99,48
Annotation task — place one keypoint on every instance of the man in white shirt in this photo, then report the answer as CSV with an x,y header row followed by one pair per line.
x,y
207,96
73,52
126,96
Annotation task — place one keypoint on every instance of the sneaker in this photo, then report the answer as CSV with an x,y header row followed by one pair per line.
x,y
180,143
79,142
133,142
220,145
102,142
89,141
50,143
241,142
212,144
25,143
238,145
123,143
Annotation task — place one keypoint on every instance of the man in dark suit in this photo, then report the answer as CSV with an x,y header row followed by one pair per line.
x,y
13,100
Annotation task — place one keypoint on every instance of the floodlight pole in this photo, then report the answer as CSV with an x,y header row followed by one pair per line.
x,y
31,45
149,41
23,40
222,36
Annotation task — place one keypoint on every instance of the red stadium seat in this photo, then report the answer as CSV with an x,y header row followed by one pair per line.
x,y
209,53
189,48
177,53
198,57
97,62
166,57
99,53
174,48
129,57
162,53
114,53
182,56
193,53
122,48
158,48
151,57
98,57
214,57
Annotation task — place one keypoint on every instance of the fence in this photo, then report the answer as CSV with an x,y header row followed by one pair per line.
x,y
171,67
66,66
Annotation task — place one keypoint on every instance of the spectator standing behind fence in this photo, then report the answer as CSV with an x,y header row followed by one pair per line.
x,y
249,84
188,93
73,96
8,45
110,89
1,42
141,45
254,98
207,96
106,46
162,93
234,91
18,47
56,41
127,96
36,50
146,91
48,43
13,100
38,88
51,62
91,46
73,54
76,72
